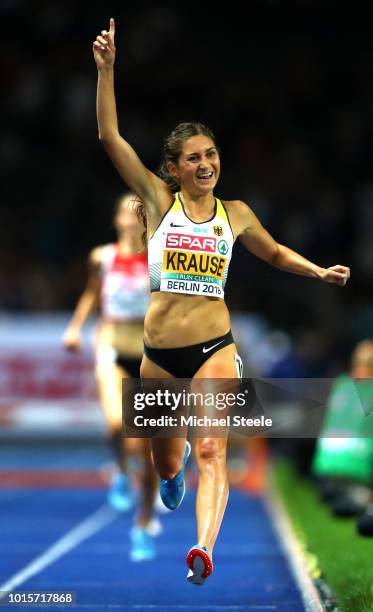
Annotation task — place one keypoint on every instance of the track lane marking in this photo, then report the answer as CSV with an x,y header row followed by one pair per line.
x,y
91,525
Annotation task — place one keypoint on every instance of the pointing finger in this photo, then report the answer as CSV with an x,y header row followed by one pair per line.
x,y
112,28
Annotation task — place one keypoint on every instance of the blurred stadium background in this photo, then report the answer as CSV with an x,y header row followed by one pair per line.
x,y
289,96
288,90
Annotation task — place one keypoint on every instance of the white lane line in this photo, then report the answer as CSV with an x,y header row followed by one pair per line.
x,y
91,525
292,549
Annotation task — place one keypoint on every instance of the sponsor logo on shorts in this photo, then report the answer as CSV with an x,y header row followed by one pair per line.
x,y
209,348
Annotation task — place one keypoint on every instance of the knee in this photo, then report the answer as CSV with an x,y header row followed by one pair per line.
x,y
210,449
167,467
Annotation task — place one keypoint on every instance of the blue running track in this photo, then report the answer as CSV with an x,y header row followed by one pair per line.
x,y
67,539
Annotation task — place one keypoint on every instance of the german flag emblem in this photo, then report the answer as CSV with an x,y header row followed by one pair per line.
x,y
218,230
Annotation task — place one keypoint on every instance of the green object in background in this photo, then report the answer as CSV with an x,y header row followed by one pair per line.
x,y
333,545
345,446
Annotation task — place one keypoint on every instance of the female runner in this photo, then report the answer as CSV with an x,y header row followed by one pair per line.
x,y
187,325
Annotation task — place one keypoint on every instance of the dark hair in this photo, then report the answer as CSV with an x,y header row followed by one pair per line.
x,y
173,145
136,203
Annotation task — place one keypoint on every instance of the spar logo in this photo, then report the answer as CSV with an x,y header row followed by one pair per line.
x,y
191,243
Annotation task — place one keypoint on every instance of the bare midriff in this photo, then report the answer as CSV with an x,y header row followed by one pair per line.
x,y
177,320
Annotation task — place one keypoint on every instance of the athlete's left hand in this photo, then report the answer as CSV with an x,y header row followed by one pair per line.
x,y
336,274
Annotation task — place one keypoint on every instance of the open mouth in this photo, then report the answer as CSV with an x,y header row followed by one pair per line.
x,y
205,176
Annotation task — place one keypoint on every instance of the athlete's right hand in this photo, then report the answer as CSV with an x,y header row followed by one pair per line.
x,y
104,47
71,340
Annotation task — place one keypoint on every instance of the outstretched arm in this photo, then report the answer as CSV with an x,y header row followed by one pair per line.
x,y
139,179
85,306
259,242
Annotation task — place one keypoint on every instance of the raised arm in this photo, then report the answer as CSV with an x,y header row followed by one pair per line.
x,y
149,187
86,305
259,242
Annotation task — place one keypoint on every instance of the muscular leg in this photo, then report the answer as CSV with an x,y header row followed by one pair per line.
x,y
167,452
149,485
109,378
212,494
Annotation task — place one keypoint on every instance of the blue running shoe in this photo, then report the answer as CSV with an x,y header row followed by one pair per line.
x,y
172,491
143,547
120,495
159,506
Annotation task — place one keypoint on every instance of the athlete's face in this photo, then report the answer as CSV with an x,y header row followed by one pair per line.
x,y
126,220
198,167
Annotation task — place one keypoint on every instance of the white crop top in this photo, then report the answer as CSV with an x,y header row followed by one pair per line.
x,y
125,291
189,257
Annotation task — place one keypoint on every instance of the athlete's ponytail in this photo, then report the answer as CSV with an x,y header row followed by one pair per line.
x,y
133,202
141,215
173,146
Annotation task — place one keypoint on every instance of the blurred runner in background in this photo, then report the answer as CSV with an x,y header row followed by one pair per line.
x,y
118,284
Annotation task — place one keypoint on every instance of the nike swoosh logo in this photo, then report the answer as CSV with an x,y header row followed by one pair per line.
x,y
206,350
175,225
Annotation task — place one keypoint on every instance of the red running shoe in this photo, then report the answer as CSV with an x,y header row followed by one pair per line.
x,y
200,565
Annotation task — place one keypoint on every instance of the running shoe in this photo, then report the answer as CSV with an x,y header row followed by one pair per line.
x,y
200,565
159,505
142,545
154,527
172,491
120,495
